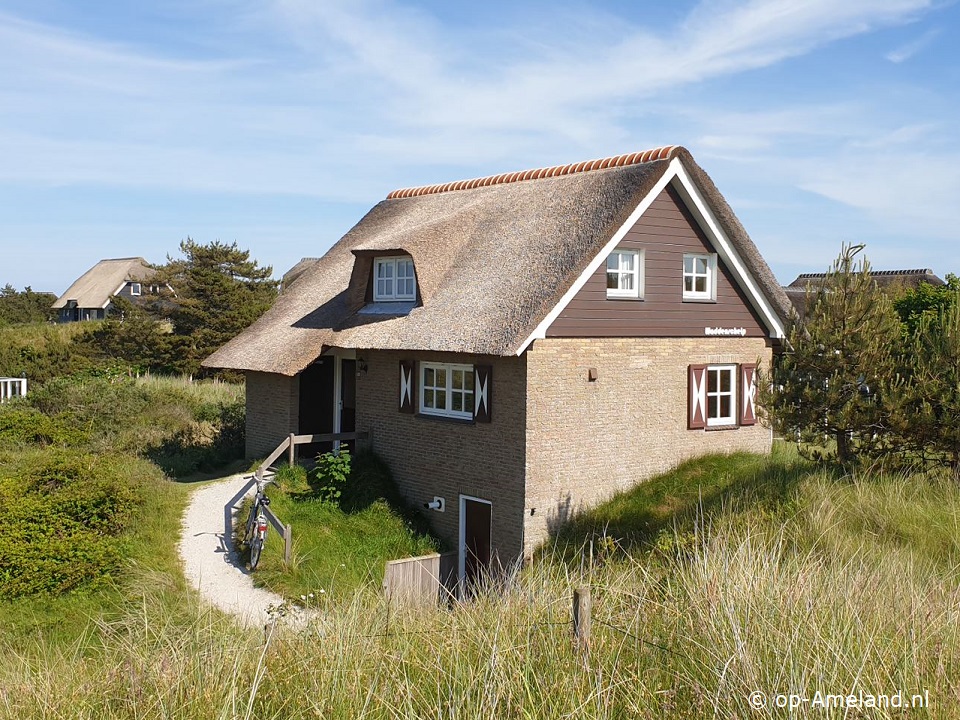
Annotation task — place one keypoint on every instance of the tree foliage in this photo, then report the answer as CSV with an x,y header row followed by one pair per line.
x,y
827,383
218,292
20,308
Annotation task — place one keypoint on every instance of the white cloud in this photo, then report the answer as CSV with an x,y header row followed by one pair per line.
x,y
908,50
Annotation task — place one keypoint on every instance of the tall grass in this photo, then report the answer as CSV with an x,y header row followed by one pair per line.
x,y
841,585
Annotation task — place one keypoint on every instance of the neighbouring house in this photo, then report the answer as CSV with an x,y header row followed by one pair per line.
x,y
90,296
523,346
892,281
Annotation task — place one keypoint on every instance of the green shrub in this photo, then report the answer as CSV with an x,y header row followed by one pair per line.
x,y
330,475
22,426
65,513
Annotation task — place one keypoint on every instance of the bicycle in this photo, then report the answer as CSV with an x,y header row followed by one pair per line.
x,y
255,535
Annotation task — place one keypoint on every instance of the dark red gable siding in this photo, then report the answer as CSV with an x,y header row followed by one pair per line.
x,y
665,232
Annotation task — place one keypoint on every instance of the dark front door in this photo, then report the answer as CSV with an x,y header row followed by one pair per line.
x,y
476,520
316,405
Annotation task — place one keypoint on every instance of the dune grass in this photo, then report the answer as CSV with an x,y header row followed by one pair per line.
x,y
339,547
790,579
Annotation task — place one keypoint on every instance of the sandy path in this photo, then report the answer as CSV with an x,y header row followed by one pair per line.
x,y
210,562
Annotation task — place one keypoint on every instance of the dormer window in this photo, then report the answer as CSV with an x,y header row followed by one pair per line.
x,y
394,279
135,288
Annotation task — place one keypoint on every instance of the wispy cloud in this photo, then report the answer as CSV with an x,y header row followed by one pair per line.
x,y
908,50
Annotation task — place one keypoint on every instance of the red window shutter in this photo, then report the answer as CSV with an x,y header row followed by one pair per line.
x,y
482,393
748,394
408,386
697,397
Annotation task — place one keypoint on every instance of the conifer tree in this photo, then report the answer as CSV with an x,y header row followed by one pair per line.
x,y
826,385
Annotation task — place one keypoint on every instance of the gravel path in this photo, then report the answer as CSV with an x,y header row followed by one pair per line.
x,y
210,562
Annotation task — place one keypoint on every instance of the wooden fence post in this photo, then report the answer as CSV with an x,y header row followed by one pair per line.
x,y
292,451
287,544
582,606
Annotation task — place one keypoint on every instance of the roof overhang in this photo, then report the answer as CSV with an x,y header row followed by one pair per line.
x,y
677,176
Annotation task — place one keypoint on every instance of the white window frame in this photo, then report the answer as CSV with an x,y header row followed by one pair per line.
x,y
394,263
136,288
708,295
721,420
636,293
447,410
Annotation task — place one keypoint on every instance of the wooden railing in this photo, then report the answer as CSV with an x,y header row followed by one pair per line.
x,y
12,387
289,446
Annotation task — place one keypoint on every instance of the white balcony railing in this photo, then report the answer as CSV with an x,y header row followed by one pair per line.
x,y
12,387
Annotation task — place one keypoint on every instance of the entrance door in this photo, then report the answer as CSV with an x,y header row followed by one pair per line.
x,y
475,522
316,405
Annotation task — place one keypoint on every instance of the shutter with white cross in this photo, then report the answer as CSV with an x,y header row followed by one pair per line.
x,y
482,393
407,385
748,394
697,397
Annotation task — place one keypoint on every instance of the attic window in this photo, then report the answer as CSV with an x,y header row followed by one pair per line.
x,y
625,274
394,279
135,288
700,277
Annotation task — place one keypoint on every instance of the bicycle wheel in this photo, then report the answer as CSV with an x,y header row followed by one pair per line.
x,y
256,545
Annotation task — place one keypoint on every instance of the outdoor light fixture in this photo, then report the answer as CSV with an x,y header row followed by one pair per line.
x,y
361,366
438,504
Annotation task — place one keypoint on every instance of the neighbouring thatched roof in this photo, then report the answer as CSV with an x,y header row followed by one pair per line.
x,y
891,280
97,285
493,256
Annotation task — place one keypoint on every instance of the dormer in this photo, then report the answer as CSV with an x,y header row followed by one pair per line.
x,y
383,282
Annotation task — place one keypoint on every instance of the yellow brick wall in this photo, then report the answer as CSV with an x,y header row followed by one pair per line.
x,y
273,408
588,440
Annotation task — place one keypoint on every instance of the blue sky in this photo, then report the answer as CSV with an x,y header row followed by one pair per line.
x,y
126,127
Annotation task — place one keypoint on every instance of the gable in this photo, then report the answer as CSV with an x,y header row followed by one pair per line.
x,y
663,234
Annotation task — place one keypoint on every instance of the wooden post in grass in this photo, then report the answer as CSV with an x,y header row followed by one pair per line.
x,y
287,544
292,450
582,607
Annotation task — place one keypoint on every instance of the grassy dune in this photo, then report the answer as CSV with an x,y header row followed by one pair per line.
x,y
790,580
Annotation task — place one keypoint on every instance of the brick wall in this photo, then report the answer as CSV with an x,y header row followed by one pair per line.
x,y
273,407
434,456
588,440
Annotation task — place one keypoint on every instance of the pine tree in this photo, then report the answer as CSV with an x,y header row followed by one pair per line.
x,y
219,292
826,386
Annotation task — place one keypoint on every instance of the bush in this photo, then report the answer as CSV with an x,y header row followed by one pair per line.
x,y
64,516
330,475
23,426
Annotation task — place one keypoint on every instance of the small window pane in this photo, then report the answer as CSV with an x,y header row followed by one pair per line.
x,y
701,284
441,375
469,381
725,406
613,280
428,398
626,262
701,266
712,381
428,377
458,379
688,265
613,261
441,396
712,406
457,402
725,380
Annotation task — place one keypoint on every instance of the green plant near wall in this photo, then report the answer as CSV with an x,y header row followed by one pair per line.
x,y
330,475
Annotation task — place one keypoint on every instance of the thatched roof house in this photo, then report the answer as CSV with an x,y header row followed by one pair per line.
x,y
90,295
520,346
521,239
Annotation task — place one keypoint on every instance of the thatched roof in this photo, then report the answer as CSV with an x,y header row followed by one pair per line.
x,y
493,256
893,281
99,284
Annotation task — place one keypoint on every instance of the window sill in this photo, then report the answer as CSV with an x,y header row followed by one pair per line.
x,y
628,298
445,419
699,300
712,428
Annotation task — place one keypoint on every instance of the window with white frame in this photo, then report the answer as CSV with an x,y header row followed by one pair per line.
x,y
447,390
394,279
135,288
721,395
699,276
625,274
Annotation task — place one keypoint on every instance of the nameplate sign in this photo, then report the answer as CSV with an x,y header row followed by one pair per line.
x,y
725,331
